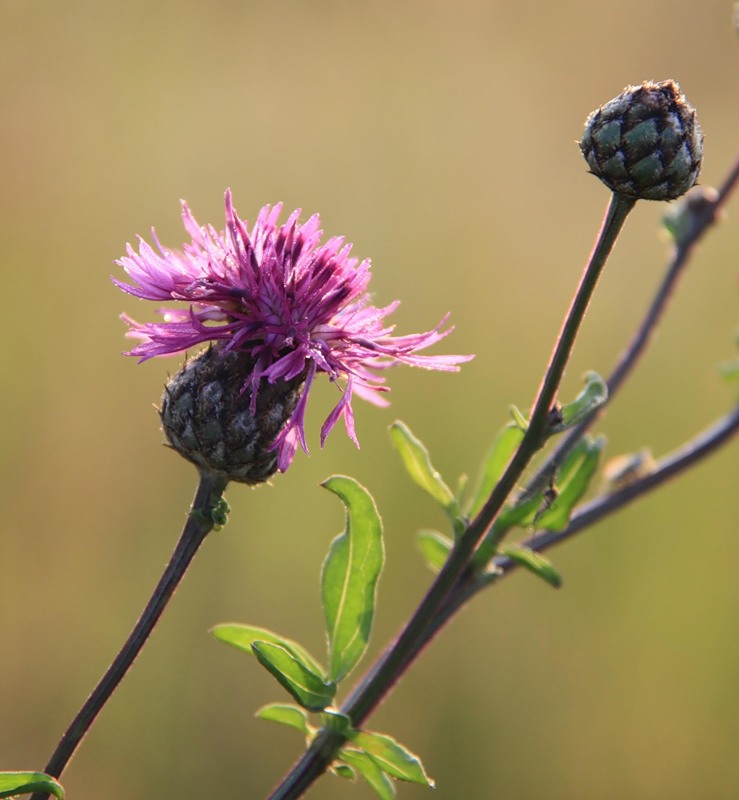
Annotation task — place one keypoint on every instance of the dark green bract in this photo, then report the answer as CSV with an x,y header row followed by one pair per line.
x,y
645,143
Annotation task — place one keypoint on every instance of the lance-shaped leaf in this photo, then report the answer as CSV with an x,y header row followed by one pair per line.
x,y
391,757
517,514
591,398
13,783
573,479
435,548
536,563
349,577
309,689
336,721
343,771
243,636
368,769
496,460
417,462
730,370
519,419
287,714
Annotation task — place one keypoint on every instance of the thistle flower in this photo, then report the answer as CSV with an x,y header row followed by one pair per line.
x,y
290,305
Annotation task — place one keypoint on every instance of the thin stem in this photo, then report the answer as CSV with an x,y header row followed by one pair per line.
x,y
588,514
380,679
686,456
360,704
324,747
703,215
199,523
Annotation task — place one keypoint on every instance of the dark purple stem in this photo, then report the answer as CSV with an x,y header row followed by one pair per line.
x,y
702,217
199,524
390,666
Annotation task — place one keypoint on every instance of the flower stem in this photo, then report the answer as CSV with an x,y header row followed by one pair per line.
x,y
588,514
360,704
199,524
703,218
380,679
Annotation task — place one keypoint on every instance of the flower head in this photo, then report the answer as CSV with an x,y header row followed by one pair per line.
x,y
297,307
646,143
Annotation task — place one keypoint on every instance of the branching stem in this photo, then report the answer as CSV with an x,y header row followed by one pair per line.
x,y
702,218
380,679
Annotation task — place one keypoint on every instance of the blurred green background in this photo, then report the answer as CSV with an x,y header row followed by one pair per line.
x,y
439,137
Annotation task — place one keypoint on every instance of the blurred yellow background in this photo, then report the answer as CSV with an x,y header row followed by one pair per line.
x,y
439,137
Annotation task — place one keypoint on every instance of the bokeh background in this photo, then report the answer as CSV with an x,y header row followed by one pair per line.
x,y
439,137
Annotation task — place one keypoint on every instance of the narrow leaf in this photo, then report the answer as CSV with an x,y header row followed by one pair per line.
x,y
305,686
573,479
13,783
286,714
435,548
392,757
496,460
349,577
343,771
592,397
334,720
519,419
729,370
417,462
536,563
368,769
243,636
517,514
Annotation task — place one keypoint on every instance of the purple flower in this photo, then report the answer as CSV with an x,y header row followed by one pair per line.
x,y
297,306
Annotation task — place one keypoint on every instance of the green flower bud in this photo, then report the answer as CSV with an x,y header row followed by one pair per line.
x,y
208,418
645,143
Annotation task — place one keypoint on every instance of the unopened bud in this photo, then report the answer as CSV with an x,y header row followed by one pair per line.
x,y
645,143
206,416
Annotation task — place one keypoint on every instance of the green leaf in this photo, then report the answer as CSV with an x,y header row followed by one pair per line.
x,y
496,460
435,548
305,686
13,783
572,481
519,419
369,770
243,636
349,577
520,513
336,721
730,370
391,757
343,771
461,490
286,714
417,462
592,397
536,563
